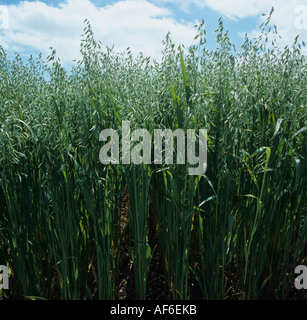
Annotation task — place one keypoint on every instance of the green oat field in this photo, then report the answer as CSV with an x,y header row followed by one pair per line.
x,y
72,228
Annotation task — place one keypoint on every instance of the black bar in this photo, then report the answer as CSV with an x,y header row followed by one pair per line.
x,y
150,309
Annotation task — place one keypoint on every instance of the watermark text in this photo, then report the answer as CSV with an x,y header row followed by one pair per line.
x,y
301,281
4,277
141,140
301,17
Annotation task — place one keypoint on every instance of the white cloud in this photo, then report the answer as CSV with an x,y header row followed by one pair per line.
x,y
290,17
184,5
137,24
240,8
285,18
286,15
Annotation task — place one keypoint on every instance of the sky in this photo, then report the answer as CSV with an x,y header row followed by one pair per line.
x,y
32,27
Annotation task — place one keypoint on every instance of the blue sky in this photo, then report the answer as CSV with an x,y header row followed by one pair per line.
x,y
29,27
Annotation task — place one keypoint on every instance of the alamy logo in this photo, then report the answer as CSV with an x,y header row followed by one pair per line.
x,y
301,19
4,277
301,281
141,152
